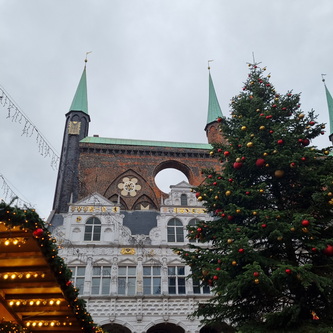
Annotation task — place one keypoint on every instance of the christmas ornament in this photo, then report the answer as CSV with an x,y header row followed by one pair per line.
x,y
305,142
305,223
256,281
38,232
256,274
249,144
328,251
288,271
260,162
234,263
227,193
243,128
279,173
241,250
226,153
237,165
280,142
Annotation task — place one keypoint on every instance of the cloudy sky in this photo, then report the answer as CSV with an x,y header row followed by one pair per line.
x,y
147,73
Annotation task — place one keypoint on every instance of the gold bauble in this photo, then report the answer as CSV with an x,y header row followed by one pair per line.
x,y
280,238
265,154
243,128
249,144
326,152
301,116
254,213
200,198
227,193
262,127
256,281
292,229
279,173
211,153
216,197
229,241
238,160
329,194
238,211
234,263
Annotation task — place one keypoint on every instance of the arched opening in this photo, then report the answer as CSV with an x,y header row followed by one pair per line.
x,y
167,177
115,328
166,328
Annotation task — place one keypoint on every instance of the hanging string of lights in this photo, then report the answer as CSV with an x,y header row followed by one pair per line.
x,y
11,195
29,129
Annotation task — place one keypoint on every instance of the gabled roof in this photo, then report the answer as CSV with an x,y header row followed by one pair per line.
x,y
80,100
214,110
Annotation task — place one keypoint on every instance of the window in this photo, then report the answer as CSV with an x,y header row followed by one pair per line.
x,y
176,279
183,200
101,280
175,231
78,274
151,280
198,289
92,231
193,223
126,280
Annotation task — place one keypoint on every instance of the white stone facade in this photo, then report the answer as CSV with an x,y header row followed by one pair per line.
x,y
133,283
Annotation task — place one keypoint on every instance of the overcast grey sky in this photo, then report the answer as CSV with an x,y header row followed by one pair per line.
x,y
147,73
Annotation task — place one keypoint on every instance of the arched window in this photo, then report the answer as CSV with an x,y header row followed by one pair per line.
x,y
183,200
193,223
92,231
175,231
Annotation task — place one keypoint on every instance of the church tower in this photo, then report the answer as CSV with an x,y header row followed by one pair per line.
x,y
76,128
214,113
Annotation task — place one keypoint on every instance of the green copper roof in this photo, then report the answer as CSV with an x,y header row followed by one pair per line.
x,y
214,110
80,100
330,108
129,142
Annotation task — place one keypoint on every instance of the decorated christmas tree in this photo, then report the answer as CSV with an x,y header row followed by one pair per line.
x,y
267,252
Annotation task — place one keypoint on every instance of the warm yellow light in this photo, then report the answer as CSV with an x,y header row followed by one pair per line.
x,y
18,303
13,276
31,303
35,275
28,275
37,302
58,302
40,324
28,323
7,242
52,323
15,241
6,276
51,302
34,323
11,303
43,275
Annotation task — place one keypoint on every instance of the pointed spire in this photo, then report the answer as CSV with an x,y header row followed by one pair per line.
x,y
214,110
330,106
80,100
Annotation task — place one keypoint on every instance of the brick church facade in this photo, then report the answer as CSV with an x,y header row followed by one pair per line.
x,y
117,229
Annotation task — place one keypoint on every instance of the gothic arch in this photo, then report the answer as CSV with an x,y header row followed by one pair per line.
x,y
172,164
144,200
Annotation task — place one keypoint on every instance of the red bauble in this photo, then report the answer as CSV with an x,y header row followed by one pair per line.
x,y
288,271
226,153
303,158
230,217
215,277
260,162
68,283
305,223
218,268
230,180
274,106
280,142
197,194
237,165
328,251
215,183
219,150
219,119
256,274
199,229
38,232
264,225
269,117
241,250
247,193
209,176
305,142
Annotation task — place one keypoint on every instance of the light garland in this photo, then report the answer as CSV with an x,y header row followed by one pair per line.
x,y
45,323
29,129
34,302
18,241
21,275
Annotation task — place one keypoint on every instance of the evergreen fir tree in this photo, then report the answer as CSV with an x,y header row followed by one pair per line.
x,y
267,253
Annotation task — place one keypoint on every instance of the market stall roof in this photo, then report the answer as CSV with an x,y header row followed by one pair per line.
x,y
36,294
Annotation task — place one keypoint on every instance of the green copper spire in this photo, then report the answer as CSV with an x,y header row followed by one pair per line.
x,y
214,110
330,107
80,100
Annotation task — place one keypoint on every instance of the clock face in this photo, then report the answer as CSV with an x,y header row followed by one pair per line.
x,y
129,186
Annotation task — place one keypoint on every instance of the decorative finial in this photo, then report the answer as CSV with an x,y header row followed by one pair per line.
x,y
322,77
208,63
86,60
254,63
